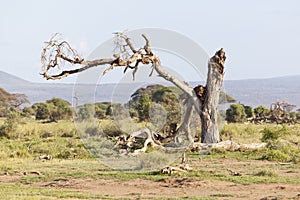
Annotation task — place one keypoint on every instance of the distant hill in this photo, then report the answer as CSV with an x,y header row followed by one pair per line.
x,y
36,92
254,92
8,79
251,92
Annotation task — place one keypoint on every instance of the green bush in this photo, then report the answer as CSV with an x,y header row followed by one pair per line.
x,y
112,130
65,154
10,124
296,158
86,112
298,115
42,111
260,111
143,107
60,109
276,155
236,113
270,134
28,112
249,111
217,151
101,110
156,100
278,148
267,172
229,131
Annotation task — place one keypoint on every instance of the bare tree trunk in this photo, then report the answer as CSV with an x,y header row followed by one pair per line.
x,y
184,132
210,98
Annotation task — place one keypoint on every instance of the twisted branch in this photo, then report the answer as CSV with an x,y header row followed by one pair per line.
x,y
56,53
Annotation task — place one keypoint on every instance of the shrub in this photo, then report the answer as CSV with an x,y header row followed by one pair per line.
x,y
236,113
276,155
66,154
101,110
143,107
217,151
92,131
267,172
249,111
296,158
60,108
270,134
260,111
228,132
112,130
86,112
42,111
298,115
10,124
28,111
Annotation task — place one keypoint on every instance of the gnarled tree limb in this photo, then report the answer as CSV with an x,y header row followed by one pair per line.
x,y
56,52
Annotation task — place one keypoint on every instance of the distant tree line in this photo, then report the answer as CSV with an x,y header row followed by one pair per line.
x,y
11,102
155,100
238,113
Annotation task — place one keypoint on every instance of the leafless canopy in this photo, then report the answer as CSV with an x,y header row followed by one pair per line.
x,y
57,53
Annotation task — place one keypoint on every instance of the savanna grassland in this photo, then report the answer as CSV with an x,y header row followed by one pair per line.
x,y
73,173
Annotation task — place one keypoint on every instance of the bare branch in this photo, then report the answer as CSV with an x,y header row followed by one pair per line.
x,y
127,40
89,64
147,46
56,52
180,84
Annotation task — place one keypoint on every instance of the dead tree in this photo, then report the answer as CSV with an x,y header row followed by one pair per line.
x,y
202,98
279,113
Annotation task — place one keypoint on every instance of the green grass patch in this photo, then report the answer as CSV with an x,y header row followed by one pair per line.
x,y
61,140
267,172
17,191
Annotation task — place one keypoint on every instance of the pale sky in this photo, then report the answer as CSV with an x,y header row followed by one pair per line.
x,y
261,37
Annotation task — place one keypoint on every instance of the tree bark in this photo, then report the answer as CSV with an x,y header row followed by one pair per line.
x,y
209,107
184,133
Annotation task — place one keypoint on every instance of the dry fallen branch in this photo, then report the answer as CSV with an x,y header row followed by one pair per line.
x,y
279,113
144,133
43,157
183,167
227,145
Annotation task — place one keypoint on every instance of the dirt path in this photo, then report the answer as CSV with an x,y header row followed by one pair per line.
x,y
175,187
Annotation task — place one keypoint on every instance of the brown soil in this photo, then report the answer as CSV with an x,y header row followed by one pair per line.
x,y
176,187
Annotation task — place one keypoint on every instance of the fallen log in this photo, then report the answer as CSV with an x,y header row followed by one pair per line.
x,y
227,145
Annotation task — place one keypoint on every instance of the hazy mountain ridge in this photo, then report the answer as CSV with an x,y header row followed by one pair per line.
x,y
265,91
251,92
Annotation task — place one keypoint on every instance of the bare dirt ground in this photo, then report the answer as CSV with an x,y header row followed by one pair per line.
x,y
181,186
176,187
